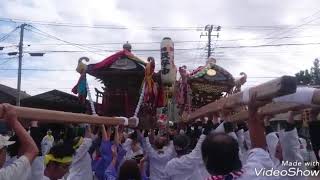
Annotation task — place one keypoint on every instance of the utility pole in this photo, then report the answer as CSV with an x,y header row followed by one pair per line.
x,y
209,28
20,63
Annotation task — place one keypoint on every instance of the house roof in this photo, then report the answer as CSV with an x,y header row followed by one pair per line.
x,y
56,96
13,92
55,100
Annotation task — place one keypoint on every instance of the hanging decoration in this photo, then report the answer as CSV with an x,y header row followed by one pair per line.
x,y
168,68
151,88
81,87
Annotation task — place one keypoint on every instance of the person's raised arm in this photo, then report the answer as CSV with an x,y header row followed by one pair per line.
x,y
111,172
290,121
116,135
104,133
114,150
267,125
290,141
88,132
146,143
255,125
28,145
84,147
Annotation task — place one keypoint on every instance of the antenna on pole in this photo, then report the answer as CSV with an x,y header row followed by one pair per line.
x,y
209,28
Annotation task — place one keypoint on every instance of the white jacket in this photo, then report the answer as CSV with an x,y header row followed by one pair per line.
x,y
37,168
187,167
18,170
258,159
46,144
290,151
80,168
158,161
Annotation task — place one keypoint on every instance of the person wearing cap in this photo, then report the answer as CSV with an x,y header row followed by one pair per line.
x,y
20,168
4,143
58,161
47,142
81,163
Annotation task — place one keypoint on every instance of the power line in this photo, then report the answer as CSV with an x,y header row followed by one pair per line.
x,y
274,32
153,42
84,47
182,49
7,60
113,43
108,50
59,39
268,45
110,27
297,26
152,28
6,36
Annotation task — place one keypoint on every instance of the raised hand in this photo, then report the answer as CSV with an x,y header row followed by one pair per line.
x,y
9,114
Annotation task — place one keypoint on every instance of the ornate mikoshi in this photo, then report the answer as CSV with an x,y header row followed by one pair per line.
x,y
239,82
130,82
203,86
209,83
122,75
168,68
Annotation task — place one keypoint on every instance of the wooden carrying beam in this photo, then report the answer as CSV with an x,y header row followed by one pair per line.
x,y
269,109
279,107
266,91
42,115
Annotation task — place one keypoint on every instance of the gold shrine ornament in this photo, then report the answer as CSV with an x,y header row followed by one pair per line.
x,y
211,72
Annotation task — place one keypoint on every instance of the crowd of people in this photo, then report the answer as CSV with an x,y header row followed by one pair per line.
x,y
214,149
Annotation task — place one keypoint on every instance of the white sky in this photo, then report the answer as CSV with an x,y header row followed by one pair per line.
x,y
278,22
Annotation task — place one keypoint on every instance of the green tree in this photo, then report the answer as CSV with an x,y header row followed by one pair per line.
x,y
307,77
311,77
315,72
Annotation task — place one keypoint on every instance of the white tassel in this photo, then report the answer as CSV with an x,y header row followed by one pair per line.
x,y
140,101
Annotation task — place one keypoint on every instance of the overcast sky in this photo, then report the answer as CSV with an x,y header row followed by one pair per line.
x,y
243,23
